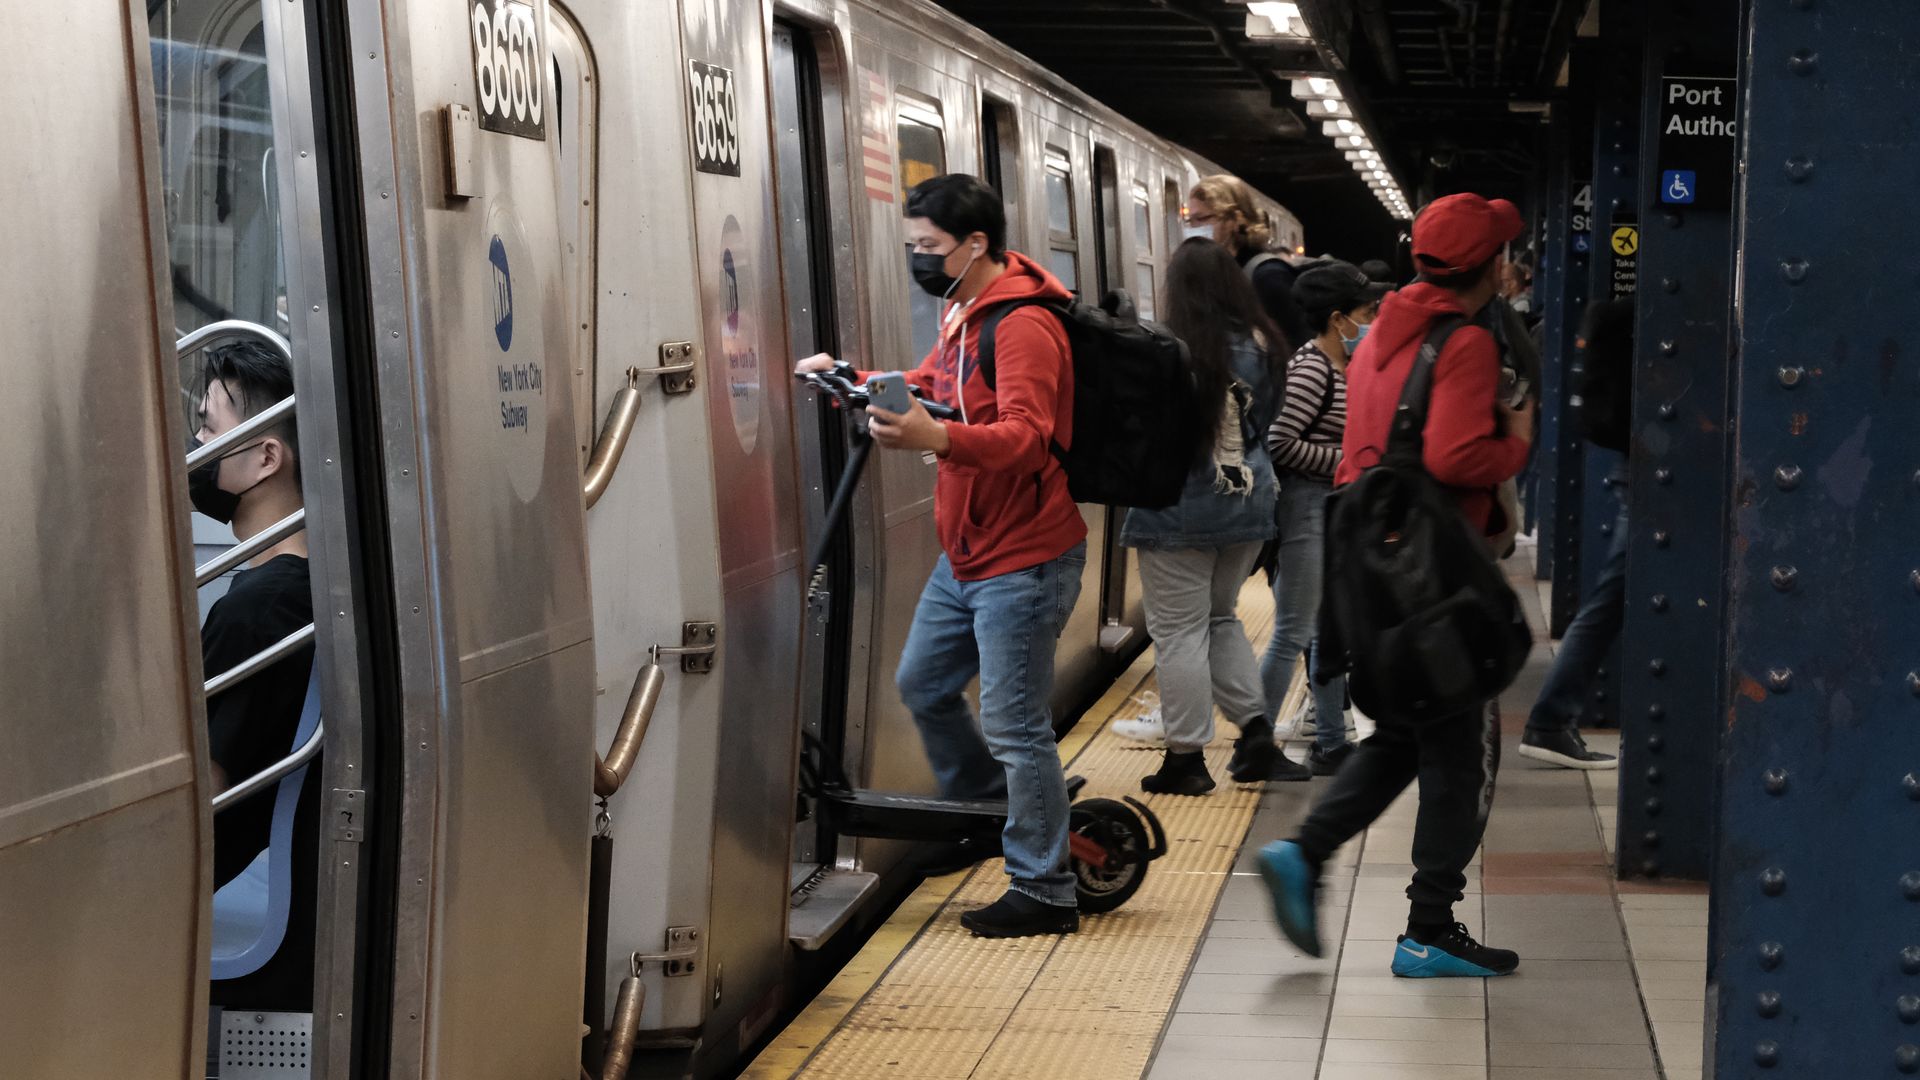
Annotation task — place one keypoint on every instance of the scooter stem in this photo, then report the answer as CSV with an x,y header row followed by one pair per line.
x,y
837,512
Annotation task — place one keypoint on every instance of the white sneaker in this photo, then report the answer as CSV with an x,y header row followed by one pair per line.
x,y
1305,723
1146,728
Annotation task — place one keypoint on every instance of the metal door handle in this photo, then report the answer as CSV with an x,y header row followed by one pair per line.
x,y
612,444
698,642
611,772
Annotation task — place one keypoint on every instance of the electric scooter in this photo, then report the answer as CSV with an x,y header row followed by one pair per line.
x,y
1110,842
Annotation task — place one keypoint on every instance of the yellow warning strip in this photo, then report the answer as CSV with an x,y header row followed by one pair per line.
x,y
924,998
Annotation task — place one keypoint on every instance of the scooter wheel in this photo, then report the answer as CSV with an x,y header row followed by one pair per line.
x,y
1110,849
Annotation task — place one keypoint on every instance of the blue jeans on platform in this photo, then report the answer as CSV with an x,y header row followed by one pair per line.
x,y
1004,629
1296,605
1588,638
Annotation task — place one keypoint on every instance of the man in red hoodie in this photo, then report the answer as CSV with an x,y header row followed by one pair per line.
x,y
1013,542
1472,442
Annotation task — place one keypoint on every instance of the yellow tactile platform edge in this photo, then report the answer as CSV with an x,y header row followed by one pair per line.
x,y
924,998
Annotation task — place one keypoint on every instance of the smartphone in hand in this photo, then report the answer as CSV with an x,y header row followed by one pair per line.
x,y
889,391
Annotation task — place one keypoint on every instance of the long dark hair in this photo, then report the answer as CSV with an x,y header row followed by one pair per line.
x,y
1209,304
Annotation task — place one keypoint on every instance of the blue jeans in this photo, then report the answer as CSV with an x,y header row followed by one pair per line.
x,y
1588,638
1296,605
1004,629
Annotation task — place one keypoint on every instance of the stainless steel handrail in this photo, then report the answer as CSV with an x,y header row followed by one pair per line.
x,y
251,546
259,781
219,333
612,444
611,772
279,650
247,428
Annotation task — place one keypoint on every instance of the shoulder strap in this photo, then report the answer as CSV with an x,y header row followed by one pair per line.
x,y
1410,415
983,340
1259,261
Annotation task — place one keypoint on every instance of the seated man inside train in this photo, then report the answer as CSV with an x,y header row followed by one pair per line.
x,y
1012,540
251,486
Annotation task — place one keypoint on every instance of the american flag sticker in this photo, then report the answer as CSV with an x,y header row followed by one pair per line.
x,y
876,149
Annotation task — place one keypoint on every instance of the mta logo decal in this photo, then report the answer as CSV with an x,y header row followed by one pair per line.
x,y
502,294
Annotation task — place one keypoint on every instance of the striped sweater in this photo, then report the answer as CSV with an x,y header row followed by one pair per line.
x,y
1305,436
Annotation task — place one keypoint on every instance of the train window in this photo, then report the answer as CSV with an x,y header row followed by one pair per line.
x,y
1108,222
923,155
923,148
1176,225
1144,269
1063,247
1000,157
575,114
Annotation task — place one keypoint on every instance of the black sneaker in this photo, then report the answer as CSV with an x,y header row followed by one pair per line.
x,y
1450,953
1180,774
1327,763
1256,759
1564,748
1019,915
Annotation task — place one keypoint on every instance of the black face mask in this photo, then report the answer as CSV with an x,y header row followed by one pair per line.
x,y
203,487
930,273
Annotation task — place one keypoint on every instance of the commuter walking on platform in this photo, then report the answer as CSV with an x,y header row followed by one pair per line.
x,y
1222,209
1469,442
1339,303
1013,543
1195,555
1553,728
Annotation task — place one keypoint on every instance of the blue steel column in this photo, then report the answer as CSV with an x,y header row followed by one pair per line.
x,y
1676,554
1816,906
1561,443
1549,293
1616,180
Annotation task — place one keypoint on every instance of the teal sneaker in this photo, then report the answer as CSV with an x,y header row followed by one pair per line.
x,y
1290,881
1453,954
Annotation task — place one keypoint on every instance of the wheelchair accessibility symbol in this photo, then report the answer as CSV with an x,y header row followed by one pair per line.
x,y
1676,187
1625,240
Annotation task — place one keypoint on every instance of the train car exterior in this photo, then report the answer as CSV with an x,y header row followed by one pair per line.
x,y
542,271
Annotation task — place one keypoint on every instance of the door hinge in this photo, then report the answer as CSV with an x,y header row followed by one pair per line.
x,y
681,956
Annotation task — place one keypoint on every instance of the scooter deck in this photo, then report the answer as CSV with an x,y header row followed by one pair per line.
x,y
904,816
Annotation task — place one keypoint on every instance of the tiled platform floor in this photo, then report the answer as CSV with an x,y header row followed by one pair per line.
x,y
1612,978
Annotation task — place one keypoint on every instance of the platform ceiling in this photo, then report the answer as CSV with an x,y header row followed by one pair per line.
x,y
1435,82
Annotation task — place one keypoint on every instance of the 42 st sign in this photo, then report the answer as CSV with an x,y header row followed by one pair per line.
x,y
508,68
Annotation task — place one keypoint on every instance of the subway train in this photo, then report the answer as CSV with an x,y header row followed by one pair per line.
x,y
541,272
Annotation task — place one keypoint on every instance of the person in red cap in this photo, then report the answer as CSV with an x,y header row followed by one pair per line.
x,y
1471,443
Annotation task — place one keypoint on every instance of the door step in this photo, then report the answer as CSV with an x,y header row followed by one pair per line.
x,y
821,910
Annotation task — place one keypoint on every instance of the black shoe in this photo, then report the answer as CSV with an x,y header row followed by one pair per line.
x,y
1180,774
1564,748
1019,915
1329,762
1257,760
1443,952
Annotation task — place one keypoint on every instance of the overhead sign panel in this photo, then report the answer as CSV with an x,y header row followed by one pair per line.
x,y
1699,126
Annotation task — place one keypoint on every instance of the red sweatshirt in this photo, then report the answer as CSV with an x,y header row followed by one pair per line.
x,y
1464,447
1000,501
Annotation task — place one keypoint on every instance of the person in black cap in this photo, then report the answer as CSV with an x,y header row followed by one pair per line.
x,y
1338,303
1379,272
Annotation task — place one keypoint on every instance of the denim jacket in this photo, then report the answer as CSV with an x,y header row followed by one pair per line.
x,y
1205,517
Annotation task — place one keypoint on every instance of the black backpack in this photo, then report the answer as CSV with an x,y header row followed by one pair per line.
x,y
1133,429
1415,609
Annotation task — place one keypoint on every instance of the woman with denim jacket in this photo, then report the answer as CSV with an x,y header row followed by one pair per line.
x,y
1195,555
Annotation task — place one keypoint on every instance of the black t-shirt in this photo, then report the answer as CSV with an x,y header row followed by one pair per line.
x,y
1273,283
252,725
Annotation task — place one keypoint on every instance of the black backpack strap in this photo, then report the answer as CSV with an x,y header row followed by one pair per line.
x,y
1410,415
983,340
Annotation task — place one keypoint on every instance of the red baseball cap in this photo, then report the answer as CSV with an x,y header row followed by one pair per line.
x,y
1456,233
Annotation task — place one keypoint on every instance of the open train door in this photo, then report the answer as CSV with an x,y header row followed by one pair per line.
x,y
105,831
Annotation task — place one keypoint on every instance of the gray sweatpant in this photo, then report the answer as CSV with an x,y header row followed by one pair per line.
x,y
1200,647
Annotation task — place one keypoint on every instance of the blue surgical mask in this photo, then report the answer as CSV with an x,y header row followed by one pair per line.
x,y
1352,343
1198,232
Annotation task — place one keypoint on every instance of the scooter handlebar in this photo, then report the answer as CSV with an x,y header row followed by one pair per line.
x,y
838,384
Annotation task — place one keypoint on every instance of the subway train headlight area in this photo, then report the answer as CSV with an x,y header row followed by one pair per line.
x,y
955,539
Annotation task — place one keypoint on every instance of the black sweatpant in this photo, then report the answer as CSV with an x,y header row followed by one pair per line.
x,y
1455,760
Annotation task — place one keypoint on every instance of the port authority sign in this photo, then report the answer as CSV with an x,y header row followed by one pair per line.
x,y
1699,125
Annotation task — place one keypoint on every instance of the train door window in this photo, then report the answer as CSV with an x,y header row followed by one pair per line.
x,y
1107,216
226,263
922,146
1000,157
575,116
1144,268
1063,246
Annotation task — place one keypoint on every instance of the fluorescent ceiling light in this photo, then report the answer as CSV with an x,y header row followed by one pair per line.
x,y
1275,20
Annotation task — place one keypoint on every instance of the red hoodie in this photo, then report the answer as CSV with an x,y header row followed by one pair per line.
x,y
1000,501
1464,447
